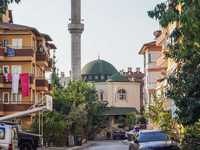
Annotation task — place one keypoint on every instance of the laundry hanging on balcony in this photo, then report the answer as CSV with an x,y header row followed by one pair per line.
x,y
10,51
15,83
25,84
9,76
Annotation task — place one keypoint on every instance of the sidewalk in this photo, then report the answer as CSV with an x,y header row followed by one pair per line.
x,y
69,148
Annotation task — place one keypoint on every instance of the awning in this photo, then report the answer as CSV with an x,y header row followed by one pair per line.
x,y
120,110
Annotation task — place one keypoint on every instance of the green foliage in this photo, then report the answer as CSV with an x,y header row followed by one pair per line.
x,y
4,5
130,121
153,110
165,122
185,80
190,139
54,128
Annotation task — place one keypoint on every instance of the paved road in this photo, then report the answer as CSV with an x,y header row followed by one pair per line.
x,y
108,145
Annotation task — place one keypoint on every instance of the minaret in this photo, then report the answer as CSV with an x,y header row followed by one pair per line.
x,y
75,28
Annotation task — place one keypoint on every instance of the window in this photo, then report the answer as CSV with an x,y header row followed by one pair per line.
x,y
16,98
17,43
90,77
96,77
6,42
5,69
2,133
33,97
43,74
102,77
149,57
101,95
121,94
5,97
17,69
149,98
33,70
33,43
40,73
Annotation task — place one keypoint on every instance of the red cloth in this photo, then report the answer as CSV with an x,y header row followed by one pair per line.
x,y
9,76
25,84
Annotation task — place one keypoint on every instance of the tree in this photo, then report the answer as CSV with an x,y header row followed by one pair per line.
x,y
71,99
185,51
130,121
153,110
4,5
55,125
54,78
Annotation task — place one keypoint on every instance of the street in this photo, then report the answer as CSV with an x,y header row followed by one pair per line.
x,y
108,145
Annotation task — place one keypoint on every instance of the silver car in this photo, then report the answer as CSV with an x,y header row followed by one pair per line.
x,y
8,137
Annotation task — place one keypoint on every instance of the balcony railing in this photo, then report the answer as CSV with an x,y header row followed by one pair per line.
x,y
4,81
19,51
18,102
42,82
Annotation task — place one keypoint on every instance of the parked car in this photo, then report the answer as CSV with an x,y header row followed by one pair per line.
x,y
24,140
151,140
119,135
8,137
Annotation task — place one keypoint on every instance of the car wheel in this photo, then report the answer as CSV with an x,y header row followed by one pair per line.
x,y
26,146
118,138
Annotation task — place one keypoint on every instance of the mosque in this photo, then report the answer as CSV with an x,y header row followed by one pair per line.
x,y
123,96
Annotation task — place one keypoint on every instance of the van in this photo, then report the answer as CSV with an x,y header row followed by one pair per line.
x,y
8,137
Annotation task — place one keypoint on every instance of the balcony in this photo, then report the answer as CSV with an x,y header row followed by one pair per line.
x,y
42,84
50,64
8,83
41,59
7,109
49,89
22,53
161,62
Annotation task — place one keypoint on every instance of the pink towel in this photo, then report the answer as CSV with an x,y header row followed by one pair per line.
x,y
25,84
9,76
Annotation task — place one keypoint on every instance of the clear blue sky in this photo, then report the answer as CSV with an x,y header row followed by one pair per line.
x,y
116,29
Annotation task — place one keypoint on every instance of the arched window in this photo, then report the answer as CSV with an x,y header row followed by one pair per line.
x,y
101,95
121,94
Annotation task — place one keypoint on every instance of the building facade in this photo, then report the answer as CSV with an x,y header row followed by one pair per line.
x,y
23,50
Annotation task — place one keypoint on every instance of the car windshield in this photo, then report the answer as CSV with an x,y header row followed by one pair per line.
x,y
152,136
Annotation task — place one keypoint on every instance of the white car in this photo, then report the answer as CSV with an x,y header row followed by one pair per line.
x,y
8,137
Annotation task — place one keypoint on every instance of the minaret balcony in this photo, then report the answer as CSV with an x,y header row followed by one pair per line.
x,y
75,28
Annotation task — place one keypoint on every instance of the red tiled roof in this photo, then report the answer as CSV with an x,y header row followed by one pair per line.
x,y
52,46
145,45
11,26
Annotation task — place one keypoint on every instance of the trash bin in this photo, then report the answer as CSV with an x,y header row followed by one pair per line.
x,y
79,140
130,137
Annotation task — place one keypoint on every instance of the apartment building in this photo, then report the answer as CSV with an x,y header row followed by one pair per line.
x,y
23,50
151,53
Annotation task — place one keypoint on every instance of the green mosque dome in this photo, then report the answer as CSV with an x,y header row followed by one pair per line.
x,y
98,71
117,78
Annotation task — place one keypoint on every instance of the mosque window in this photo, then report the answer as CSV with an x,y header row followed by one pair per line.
x,y
85,77
121,94
102,77
96,77
90,77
